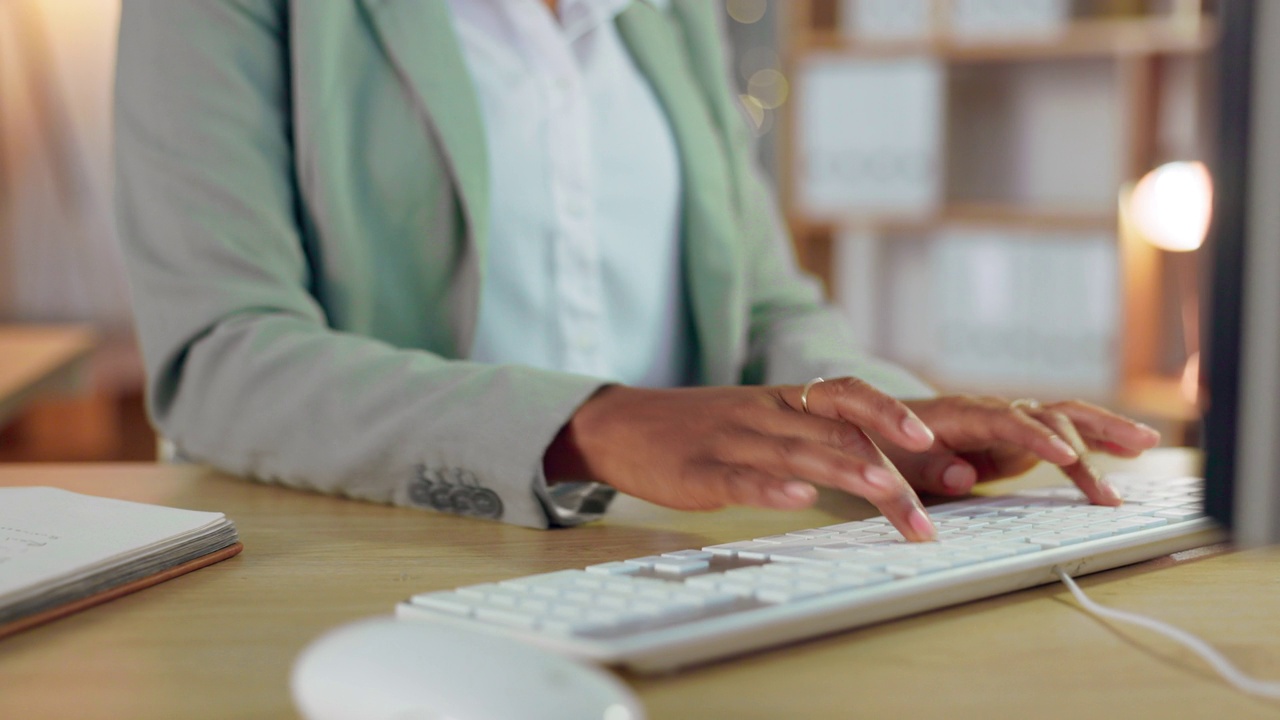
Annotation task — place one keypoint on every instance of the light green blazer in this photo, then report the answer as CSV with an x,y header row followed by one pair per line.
x,y
303,202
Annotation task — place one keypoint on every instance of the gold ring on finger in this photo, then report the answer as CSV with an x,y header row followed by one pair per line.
x,y
804,394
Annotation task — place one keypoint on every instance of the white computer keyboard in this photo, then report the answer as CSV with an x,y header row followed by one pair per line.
x,y
666,611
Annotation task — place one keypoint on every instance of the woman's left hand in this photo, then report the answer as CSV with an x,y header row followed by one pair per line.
x,y
987,438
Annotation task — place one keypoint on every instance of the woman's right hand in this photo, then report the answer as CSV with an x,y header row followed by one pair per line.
x,y
706,448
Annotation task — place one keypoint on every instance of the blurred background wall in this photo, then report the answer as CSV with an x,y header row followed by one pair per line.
x,y
951,169
57,59
59,259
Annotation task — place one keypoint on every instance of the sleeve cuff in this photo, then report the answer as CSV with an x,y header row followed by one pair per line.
x,y
572,503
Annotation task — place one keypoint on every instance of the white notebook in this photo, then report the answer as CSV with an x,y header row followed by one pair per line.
x,y
61,551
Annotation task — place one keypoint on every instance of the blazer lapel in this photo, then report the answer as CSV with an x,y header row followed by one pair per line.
x,y
420,42
712,258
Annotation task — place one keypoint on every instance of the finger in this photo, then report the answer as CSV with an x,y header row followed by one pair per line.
x,y
713,485
855,401
942,473
814,462
1060,424
987,425
837,434
1082,473
1111,448
748,486
945,474
1093,485
1100,424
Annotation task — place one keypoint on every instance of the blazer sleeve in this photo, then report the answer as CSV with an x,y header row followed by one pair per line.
x,y
244,372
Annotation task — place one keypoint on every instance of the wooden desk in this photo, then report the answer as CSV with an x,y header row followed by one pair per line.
x,y
219,643
40,359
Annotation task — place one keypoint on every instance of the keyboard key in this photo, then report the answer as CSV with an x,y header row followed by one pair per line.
x,y
645,562
534,605
733,548
507,599
960,559
606,600
791,593
679,566
577,596
447,601
615,568
508,616
1143,522
689,555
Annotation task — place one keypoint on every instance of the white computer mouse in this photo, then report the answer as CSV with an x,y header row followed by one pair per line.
x,y
388,669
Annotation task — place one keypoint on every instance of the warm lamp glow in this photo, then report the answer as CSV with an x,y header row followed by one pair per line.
x,y
1171,205
1189,384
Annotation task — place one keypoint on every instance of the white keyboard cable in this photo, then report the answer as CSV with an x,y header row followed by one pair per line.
x,y
1230,673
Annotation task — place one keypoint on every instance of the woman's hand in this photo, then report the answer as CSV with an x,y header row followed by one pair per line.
x,y
705,448
985,438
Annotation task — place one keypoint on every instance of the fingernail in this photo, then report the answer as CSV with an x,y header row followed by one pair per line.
x,y
956,477
797,490
1061,446
1149,430
921,525
880,478
777,498
916,430
1109,491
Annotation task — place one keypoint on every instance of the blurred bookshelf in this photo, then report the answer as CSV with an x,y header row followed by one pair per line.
x,y
1020,122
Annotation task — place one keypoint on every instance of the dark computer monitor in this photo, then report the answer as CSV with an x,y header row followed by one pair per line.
x,y
1241,375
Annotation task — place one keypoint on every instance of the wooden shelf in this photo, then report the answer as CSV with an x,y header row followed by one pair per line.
x,y
1003,215
1081,39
